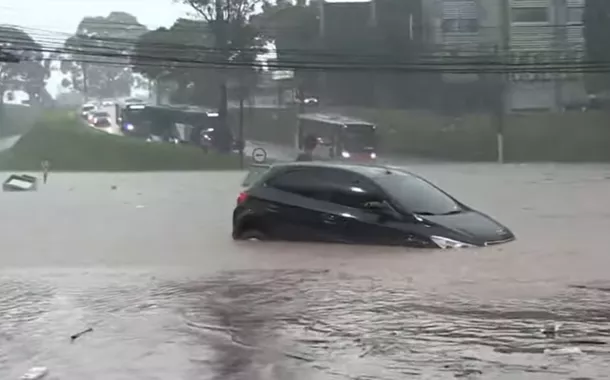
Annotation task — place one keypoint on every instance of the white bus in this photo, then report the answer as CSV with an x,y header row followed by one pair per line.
x,y
337,136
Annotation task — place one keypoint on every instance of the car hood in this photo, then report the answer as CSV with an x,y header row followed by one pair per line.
x,y
472,226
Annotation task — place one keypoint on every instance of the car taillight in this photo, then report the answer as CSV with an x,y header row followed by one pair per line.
x,y
242,197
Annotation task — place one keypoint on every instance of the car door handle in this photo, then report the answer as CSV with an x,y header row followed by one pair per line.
x,y
329,219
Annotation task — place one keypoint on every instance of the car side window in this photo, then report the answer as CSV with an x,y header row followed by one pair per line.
x,y
301,182
353,199
350,189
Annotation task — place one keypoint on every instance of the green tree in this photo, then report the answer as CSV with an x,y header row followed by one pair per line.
x,y
294,29
174,58
596,31
97,55
237,41
24,66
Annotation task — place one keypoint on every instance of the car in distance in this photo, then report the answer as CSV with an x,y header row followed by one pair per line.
x,y
86,109
357,204
100,119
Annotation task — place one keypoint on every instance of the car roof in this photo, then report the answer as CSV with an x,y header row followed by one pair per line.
x,y
368,170
331,118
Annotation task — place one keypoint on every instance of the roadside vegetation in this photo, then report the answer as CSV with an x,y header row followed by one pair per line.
x,y
64,140
544,136
16,119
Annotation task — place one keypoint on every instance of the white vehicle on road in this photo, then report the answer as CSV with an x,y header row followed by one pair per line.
x,y
86,109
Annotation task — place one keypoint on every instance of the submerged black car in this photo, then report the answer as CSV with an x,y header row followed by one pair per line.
x,y
358,204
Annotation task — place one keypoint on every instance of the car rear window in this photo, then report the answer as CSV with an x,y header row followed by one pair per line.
x,y
102,114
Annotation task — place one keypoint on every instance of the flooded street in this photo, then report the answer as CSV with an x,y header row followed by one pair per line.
x,y
146,261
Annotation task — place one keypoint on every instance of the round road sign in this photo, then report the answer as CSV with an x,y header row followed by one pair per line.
x,y
259,155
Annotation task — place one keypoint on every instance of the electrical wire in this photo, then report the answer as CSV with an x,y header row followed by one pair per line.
x,y
117,47
170,47
94,58
123,51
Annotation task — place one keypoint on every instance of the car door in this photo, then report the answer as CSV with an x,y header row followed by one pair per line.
x,y
342,212
369,226
295,205
355,222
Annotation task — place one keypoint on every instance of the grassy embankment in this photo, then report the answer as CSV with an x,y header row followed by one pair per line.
x,y
69,145
545,136
17,119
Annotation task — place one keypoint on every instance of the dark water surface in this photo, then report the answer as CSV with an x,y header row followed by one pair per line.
x,y
150,267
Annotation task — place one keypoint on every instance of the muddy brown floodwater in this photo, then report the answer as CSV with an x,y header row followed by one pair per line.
x,y
146,261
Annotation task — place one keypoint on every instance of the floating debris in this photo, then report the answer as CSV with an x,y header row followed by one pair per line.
x,y
78,335
551,330
35,373
563,351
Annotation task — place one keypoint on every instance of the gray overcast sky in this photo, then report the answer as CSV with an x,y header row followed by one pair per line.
x,y
63,16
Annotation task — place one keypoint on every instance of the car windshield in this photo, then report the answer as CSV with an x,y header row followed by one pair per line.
x,y
88,108
416,195
101,114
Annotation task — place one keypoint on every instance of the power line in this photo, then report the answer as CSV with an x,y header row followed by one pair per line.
x,y
97,45
442,67
46,37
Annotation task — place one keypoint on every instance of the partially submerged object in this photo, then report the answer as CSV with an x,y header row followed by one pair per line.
x,y
20,182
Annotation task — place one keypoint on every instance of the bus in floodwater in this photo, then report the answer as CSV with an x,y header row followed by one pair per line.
x,y
337,137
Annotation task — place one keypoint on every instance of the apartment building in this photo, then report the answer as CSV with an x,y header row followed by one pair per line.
x,y
527,31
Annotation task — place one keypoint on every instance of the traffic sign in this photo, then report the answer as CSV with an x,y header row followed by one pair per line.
x,y
259,155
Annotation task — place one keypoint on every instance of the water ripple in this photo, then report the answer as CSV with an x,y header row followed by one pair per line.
x,y
293,325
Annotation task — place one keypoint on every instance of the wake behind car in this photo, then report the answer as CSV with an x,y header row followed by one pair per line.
x,y
357,204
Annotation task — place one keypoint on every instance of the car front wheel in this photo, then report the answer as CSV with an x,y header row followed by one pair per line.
x,y
253,235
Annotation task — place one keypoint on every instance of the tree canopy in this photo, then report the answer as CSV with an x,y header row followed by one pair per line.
x,y
23,66
344,35
97,55
189,55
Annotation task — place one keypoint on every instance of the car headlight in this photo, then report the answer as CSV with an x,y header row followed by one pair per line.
x,y
129,127
345,154
446,243
373,156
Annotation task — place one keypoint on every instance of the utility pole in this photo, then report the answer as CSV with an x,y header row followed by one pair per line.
x,y
86,81
241,138
322,36
221,46
503,77
374,31
560,23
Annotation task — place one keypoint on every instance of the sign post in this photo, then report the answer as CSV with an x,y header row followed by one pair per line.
x,y
259,155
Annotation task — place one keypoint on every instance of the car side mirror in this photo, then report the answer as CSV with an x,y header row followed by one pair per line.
x,y
383,209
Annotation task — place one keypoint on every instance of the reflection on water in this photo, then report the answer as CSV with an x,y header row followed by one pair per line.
x,y
291,325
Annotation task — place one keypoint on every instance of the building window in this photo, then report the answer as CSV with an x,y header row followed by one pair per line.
x,y
460,26
575,15
534,15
